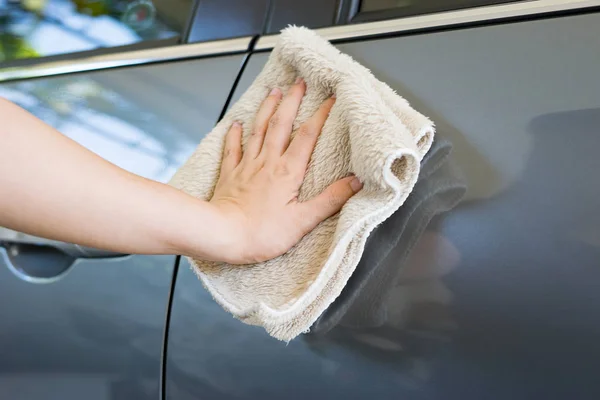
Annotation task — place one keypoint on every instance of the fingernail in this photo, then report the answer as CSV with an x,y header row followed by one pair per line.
x,y
237,124
299,80
356,184
275,92
333,96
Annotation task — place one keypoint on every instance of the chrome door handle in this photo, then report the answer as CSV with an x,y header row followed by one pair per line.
x,y
13,238
39,260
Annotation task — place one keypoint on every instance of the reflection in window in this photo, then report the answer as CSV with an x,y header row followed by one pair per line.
x,y
376,5
414,7
34,28
105,122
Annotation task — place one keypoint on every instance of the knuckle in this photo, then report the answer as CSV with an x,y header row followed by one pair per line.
x,y
258,128
257,131
275,120
229,153
306,131
334,201
282,170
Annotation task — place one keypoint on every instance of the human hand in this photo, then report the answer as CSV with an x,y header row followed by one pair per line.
x,y
257,191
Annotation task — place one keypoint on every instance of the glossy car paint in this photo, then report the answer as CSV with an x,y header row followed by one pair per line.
x,y
501,296
96,333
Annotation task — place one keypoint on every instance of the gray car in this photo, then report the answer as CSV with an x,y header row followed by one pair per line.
x,y
498,298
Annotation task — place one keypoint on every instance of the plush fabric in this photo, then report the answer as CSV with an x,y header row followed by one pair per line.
x,y
371,132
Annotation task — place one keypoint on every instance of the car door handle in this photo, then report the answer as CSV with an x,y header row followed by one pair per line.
x,y
35,259
10,238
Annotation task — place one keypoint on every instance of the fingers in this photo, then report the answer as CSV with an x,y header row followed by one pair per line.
x,y
303,144
261,123
329,202
280,125
232,151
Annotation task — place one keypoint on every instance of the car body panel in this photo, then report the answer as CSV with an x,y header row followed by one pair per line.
x,y
96,332
504,296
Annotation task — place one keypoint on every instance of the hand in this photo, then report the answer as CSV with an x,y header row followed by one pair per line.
x,y
257,192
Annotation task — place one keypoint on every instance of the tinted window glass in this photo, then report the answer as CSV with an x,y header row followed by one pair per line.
x,y
36,28
107,121
381,9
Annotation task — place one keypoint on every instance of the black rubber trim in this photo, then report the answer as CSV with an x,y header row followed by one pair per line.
x,y
167,325
237,80
163,362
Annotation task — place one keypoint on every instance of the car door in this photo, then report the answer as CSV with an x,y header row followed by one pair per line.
x,y
90,325
504,300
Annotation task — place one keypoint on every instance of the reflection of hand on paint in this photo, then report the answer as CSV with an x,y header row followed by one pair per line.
x,y
433,256
420,297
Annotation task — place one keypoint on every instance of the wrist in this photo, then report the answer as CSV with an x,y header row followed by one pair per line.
x,y
208,232
229,233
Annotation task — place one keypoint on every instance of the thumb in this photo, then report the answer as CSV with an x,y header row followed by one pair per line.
x,y
330,201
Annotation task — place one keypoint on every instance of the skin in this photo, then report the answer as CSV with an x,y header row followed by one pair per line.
x,y
52,187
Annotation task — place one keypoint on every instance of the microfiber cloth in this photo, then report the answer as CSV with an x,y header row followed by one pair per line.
x,y
371,132
363,301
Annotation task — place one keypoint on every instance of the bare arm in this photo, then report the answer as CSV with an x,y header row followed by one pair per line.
x,y
52,187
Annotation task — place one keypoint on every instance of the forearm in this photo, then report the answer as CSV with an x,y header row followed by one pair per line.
x,y
52,187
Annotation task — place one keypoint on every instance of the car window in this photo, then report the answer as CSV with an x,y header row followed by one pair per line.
x,y
106,121
37,28
374,10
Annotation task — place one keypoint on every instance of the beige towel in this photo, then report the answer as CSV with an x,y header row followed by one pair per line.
x,y
371,132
